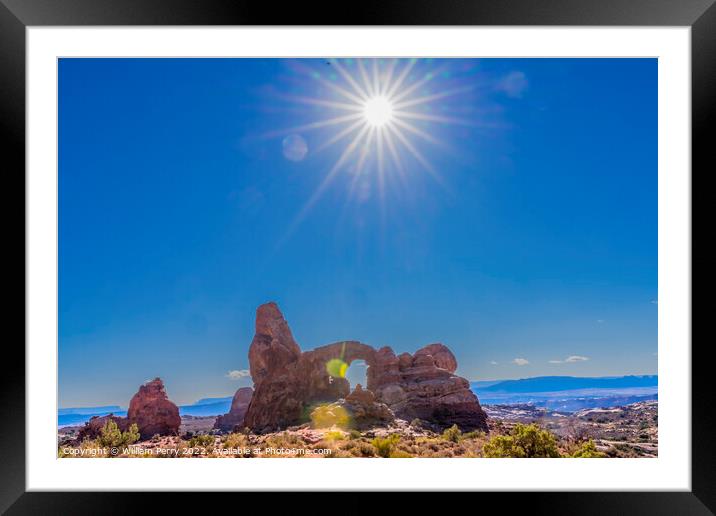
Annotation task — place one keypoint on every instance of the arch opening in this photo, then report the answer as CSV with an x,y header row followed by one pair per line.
x,y
357,373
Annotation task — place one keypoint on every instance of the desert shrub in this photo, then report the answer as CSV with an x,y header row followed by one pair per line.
x,y
621,450
354,434
524,441
94,447
400,454
475,434
384,446
334,435
455,435
112,436
285,440
452,434
131,435
235,440
201,441
362,449
587,450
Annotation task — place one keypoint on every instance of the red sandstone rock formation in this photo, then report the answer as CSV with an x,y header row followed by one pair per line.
x,y
426,388
357,410
365,409
93,427
289,382
273,346
235,416
284,394
152,411
442,356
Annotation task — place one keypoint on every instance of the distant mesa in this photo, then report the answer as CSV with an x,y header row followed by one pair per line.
x,y
149,408
564,383
289,382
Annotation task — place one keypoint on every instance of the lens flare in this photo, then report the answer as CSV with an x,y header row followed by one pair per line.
x,y
336,368
329,416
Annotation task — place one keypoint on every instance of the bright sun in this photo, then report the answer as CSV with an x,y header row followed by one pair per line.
x,y
378,111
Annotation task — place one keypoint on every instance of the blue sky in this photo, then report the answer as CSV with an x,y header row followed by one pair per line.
x,y
526,235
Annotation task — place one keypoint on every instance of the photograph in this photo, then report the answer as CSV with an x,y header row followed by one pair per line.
x,y
357,257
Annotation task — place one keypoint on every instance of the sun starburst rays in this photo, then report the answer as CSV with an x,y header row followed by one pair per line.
x,y
378,108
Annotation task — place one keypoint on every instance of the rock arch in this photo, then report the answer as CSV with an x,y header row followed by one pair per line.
x,y
287,381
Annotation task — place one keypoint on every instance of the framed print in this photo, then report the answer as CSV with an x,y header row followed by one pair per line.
x,y
457,235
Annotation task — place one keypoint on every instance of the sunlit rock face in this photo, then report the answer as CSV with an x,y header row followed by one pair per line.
x,y
152,411
358,410
285,394
423,386
234,419
290,384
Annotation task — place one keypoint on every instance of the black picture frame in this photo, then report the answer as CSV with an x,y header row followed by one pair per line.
x,y
17,15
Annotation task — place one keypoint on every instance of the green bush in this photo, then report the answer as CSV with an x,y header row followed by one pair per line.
x,y
399,454
201,441
524,441
385,446
452,434
113,437
587,450
334,435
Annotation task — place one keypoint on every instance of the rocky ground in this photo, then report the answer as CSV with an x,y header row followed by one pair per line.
x,y
625,431
628,431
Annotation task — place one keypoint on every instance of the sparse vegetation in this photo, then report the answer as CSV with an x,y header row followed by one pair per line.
x,y
587,450
524,441
452,434
238,441
334,435
202,441
475,434
384,446
112,436
623,435
284,440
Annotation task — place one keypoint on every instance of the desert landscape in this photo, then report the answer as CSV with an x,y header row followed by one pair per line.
x,y
301,405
